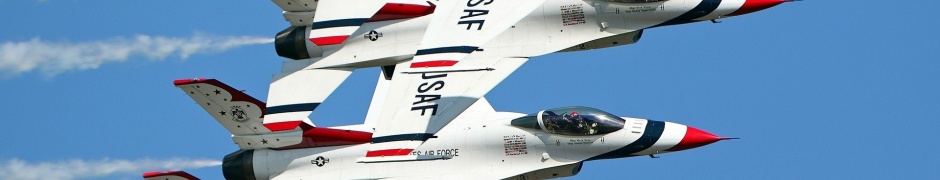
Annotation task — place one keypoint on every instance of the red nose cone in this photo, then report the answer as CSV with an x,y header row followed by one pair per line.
x,y
756,5
695,138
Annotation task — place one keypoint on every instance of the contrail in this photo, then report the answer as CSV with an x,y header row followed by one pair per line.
x,y
52,58
16,169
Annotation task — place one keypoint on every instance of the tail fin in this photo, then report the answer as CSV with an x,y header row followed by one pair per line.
x,y
169,175
239,113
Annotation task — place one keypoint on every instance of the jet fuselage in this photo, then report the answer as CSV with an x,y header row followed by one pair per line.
x,y
496,145
558,25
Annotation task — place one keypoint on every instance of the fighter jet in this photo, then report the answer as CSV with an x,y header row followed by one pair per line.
x,y
439,57
480,143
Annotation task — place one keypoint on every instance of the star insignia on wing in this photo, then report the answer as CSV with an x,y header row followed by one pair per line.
x,y
320,161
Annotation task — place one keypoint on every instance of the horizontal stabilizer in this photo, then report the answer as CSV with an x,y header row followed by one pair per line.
x,y
169,175
272,140
239,113
296,5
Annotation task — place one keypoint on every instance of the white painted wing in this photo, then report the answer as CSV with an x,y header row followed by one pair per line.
x,y
421,101
459,28
335,20
429,91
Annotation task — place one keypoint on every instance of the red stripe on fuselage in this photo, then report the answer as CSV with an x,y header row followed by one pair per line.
x,y
339,134
438,63
329,40
389,152
393,11
323,137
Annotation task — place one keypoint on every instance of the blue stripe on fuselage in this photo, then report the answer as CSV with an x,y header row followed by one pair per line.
x,y
654,130
701,10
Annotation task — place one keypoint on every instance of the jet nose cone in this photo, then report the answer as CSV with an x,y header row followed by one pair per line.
x,y
694,138
756,5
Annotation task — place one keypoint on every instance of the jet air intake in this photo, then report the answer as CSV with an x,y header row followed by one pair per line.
x,y
294,43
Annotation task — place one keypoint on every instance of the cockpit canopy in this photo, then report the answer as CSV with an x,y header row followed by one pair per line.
x,y
572,121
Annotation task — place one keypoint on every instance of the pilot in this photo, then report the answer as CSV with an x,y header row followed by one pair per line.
x,y
583,126
576,122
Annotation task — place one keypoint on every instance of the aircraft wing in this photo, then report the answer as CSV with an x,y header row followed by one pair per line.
x,y
335,20
433,88
421,101
459,28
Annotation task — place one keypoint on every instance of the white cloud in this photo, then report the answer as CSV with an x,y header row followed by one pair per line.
x,y
16,169
52,58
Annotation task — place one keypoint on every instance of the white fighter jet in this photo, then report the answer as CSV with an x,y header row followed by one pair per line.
x,y
439,57
480,143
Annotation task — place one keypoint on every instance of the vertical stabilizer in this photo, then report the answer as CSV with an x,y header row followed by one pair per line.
x,y
294,95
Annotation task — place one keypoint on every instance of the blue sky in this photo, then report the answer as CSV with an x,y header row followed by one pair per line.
x,y
815,89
